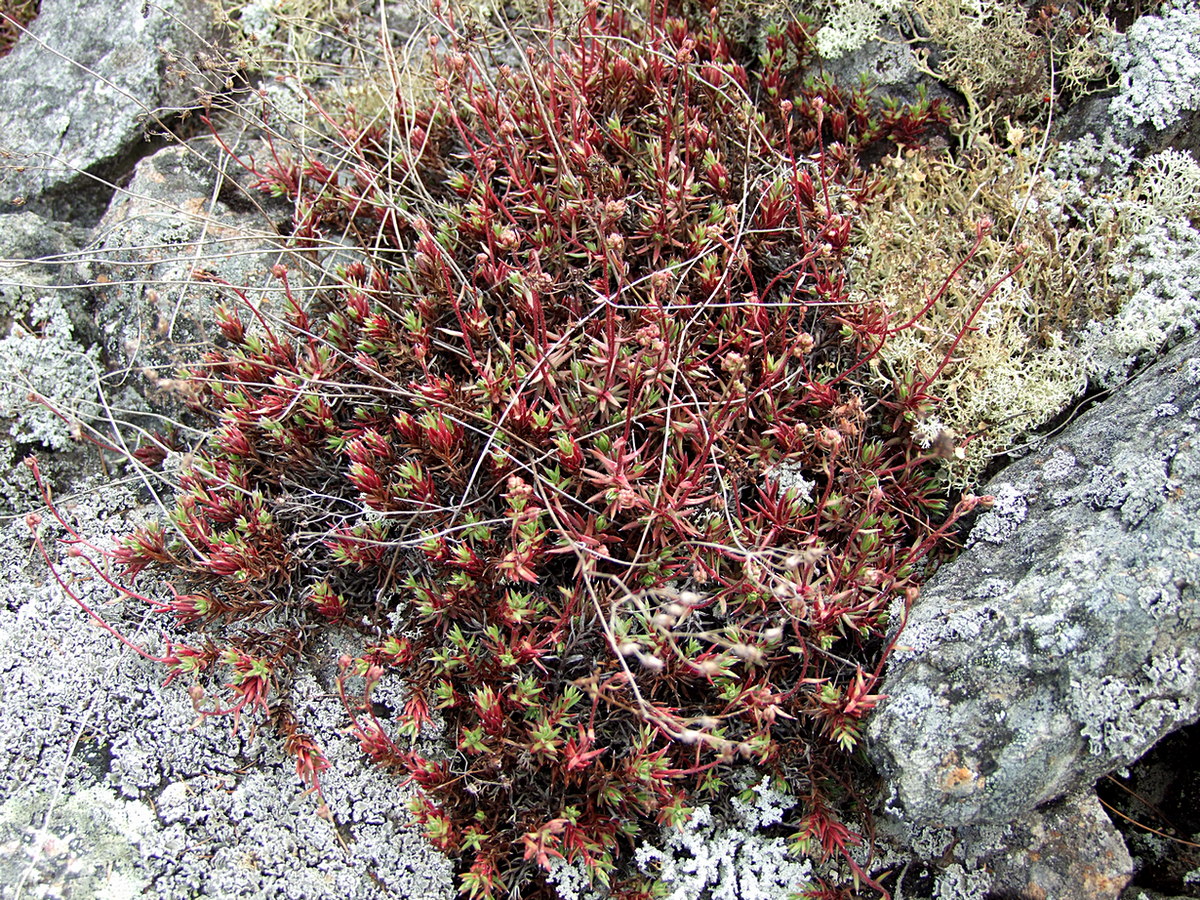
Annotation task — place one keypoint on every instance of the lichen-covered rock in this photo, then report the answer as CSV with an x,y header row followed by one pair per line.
x,y
1065,641
1158,58
80,91
1154,104
1154,805
32,249
90,851
183,225
49,366
887,62
1066,851
109,787
41,320
1070,851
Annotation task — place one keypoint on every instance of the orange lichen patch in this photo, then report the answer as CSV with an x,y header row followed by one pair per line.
x,y
957,776
1101,884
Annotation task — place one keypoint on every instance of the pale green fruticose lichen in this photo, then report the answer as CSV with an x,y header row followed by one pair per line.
x,y
994,346
722,857
1092,262
850,24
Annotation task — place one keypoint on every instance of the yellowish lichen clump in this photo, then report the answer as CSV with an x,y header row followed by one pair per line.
x,y
283,35
997,344
1005,61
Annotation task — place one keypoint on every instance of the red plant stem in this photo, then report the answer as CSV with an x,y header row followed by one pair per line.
x,y
35,397
33,520
32,463
962,332
981,231
241,295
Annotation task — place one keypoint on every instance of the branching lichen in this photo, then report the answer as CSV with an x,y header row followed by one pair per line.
x,y
1005,62
1016,368
1159,63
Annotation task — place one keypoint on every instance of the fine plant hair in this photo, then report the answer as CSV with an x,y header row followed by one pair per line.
x,y
558,397
15,15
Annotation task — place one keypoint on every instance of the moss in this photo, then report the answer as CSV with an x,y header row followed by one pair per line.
x,y
585,451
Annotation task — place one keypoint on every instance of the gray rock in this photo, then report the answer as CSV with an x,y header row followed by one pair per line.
x,y
39,352
109,787
37,258
1065,641
1067,851
36,246
82,90
49,368
890,65
182,220
1156,101
189,233
1153,802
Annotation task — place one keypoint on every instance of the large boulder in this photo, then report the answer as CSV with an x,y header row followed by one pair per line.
x,y
85,87
1065,641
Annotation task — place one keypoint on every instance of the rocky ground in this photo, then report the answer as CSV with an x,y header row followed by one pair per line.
x,y
1041,703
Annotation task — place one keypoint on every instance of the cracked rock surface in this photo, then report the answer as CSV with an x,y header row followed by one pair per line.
x,y
80,92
